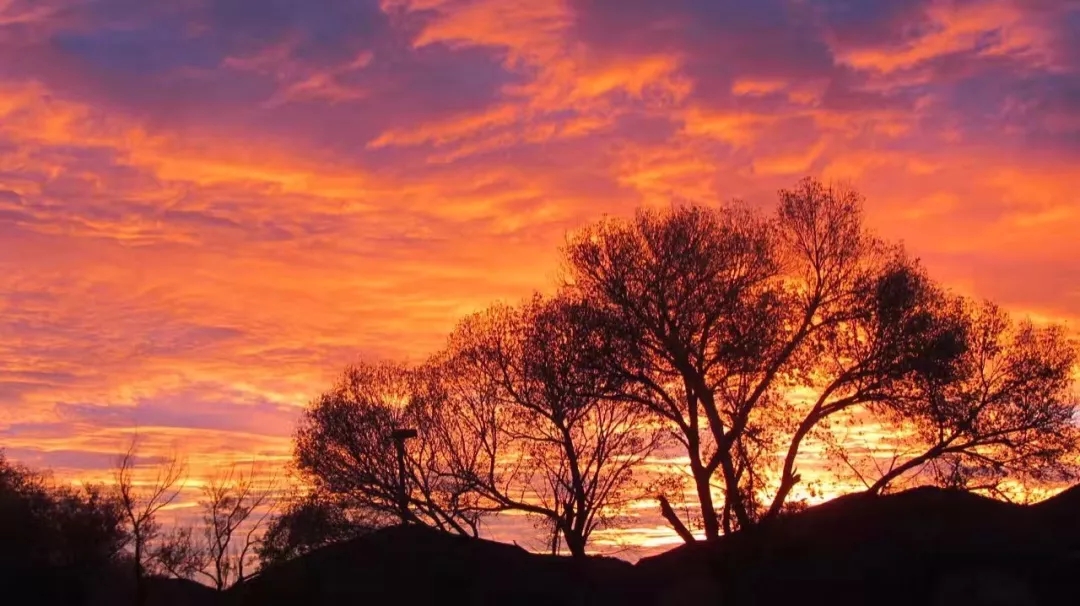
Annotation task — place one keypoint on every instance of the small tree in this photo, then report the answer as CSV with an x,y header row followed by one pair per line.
x,y
307,522
179,553
344,448
141,504
235,509
557,445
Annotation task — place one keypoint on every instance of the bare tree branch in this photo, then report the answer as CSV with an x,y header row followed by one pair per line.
x,y
141,503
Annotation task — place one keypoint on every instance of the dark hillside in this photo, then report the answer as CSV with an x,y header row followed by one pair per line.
x,y
924,546
910,547
416,565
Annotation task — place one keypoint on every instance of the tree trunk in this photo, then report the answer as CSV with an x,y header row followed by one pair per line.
x,y
733,499
140,580
704,492
576,544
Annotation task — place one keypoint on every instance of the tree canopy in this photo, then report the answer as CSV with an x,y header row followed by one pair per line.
x,y
56,540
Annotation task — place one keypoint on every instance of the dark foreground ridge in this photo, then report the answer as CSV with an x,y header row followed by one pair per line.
x,y
923,546
417,565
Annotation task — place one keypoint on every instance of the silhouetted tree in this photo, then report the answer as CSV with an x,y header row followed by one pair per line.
x,y
685,305
140,503
746,334
1006,412
178,553
521,386
307,522
235,508
57,541
344,449
903,331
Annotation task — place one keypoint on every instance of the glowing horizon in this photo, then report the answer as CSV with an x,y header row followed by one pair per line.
x,y
208,208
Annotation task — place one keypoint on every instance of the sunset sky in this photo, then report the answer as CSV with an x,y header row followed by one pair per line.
x,y
208,207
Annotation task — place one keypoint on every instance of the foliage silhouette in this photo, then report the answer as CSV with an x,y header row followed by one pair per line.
x,y
510,416
555,443
307,522
714,317
344,448
1006,412
56,541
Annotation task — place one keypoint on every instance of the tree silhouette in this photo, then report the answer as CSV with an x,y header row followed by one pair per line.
x,y
554,442
141,503
307,522
178,553
344,448
235,508
904,331
713,318
682,298
57,541
1007,412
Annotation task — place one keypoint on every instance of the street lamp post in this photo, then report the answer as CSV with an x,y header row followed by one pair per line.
x,y
399,436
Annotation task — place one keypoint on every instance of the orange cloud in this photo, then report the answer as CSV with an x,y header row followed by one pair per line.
x,y
735,128
963,27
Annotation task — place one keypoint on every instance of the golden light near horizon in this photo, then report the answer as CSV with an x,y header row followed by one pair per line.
x,y
208,209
